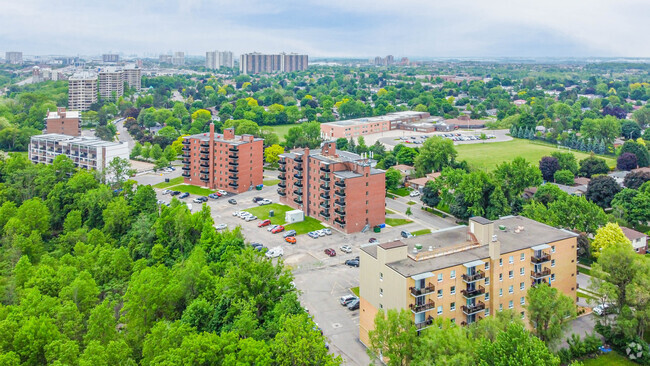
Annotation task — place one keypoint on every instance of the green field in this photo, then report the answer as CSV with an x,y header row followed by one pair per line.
x,y
282,130
355,290
421,232
397,222
411,203
487,156
609,359
172,182
403,192
199,191
271,182
390,212
262,213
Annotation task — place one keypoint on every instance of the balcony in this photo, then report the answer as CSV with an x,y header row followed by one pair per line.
x,y
340,221
282,177
422,291
476,318
205,164
473,309
205,158
186,155
479,275
297,192
233,163
339,183
298,176
186,174
541,274
282,185
233,156
186,160
339,193
186,148
298,200
340,212
233,170
234,149
473,293
297,183
233,177
282,192
340,203
233,184
540,258
204,150
422,308
205,171
298,167
325,214
325,178
186,142
205,143
205,178
325,168
282,168
425,324
298,159
324,196
325,205
185,167
282,161
325,188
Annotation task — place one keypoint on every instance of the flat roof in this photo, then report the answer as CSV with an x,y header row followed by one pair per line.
x,y
85,141
219,138
68,114
455,241
395,116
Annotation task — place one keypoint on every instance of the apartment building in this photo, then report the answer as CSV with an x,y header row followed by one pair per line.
x,y
133,76
63,122
14,58
254,63
178,59
110,58
82,91
338,187
111,83
217,59
88,153
225,161
369,125
465,273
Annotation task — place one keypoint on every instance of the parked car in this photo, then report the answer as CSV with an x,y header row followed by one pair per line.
x,y
289,233
345,300
221,226
232,201
255,199
331,252
373,241
161,202
250,218
353,305
213,196
414,193
266,222
346,248
277,229
184,195
313,235
320,232
275,252
406,234
290,239
352,262
255,245
236,213
264,202
166,191
327,231
271,227
603,309
174,193
200,199
261,248
222,192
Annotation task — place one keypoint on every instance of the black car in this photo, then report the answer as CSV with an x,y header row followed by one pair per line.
x,y
406,234
255,199
184,195
353,305
232,201
352,262
174,193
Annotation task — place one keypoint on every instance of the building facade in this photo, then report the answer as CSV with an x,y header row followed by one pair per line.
x,y
82,91
337,187
14,58
465,273
217,59
254,63
63,122
178,59
133,76
225,161
369,125
88,153
111,83
111,58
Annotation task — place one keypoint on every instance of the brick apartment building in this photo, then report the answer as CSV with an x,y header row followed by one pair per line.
x,y
63,122
465,273
223,161
337,187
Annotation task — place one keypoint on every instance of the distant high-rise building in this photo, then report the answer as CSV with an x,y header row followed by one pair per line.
x,y
165,59
15,58
226,59
63,122
111,83
111,57
178,59
82,90
253,63
390,60
217,59
133,76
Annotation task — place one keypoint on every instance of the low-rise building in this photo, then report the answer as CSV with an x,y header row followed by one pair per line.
x,y
88,153
638,239
63,122
338,187
353,128
225,161
465,273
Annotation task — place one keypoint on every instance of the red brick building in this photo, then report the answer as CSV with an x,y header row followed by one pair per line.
x,y
337,187
223,161
63,122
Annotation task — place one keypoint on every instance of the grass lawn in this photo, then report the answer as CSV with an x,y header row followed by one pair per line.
x,y
355,290
585,295
411,202
584,270
172,182
403,192
421,232
199,191
262,213
310,224
397,222
487,156
282,130
390,212
609,359
271,182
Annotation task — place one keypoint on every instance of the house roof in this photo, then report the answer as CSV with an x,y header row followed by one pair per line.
x,y
632,234
581,181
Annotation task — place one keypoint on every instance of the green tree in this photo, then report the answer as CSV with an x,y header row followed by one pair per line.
x,y
565,177
272,154
515,346
640,150
137,150
615,271
436,153
299,343
514,177
444,343
566,160
393,178
601,190
430,194
550,313
101,324
408,212
118,171
394,337
156,152
592,166
608,235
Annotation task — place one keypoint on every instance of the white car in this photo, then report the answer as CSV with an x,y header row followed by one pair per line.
x,y
414,193
275,252
221,226
320,233
346,248
271,227
250,218
236,213
264,202
602,309
222,192
327,231
166,191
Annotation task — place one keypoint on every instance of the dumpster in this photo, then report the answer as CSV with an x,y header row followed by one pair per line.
x,y
271,213
377,229
259,187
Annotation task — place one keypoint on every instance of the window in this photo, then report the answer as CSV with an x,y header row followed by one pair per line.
x,y
487,296
487,265
439,293
500,276
521,271
522,256
511,289
500,261
487,312
511,259
439,309
440,277
381,306
500,292
553,249
452,275
522,301
511,274
381,276
452,307
381,292
500,307
552,262
522,285
510,304
453,290
487,280
553,277
453,320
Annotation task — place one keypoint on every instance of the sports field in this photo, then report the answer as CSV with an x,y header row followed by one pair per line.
x,y
488,155
282,130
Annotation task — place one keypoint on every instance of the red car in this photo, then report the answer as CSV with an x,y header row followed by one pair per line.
x,y
290,239
278,229
331,252
266,222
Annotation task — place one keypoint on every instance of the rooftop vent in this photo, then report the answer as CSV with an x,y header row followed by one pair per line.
x,y
494,238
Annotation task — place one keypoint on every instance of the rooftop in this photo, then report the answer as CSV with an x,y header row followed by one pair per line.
x,y
70,140
395,116
453,246
219,138
83,75
632,234
68,114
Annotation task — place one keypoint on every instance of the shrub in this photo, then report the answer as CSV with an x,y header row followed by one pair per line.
x,y
564,177
626,161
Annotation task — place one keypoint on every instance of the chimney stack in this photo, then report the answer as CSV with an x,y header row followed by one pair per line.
x,y
229,133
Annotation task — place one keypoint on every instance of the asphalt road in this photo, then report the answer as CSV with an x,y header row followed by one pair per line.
x,y
421,217
124,135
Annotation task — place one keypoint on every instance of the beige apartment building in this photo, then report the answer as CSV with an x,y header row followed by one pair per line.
x,y
111,83
465,273
133,76
82,91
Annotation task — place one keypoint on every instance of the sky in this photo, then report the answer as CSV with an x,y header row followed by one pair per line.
x,y
329,28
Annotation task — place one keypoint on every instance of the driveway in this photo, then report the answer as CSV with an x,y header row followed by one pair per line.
x,y
423,218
